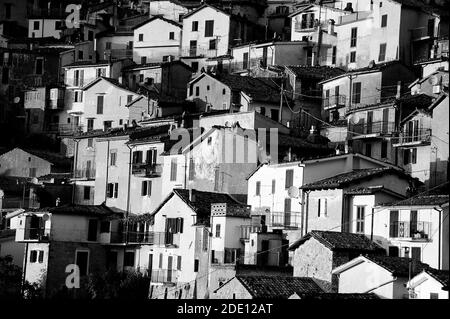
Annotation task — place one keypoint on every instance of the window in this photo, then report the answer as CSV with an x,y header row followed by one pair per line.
x,y
141,78
105,226
356,93
360,213
107,125
78,96
113,190
32,171
39,66
180,17
287,205
90,35
197,91
171,35
196,264
209,28
333,55
382,54
173,170
41,256
116,190
393,251
273,186
143,59
393,223
5,75
90,124
112,158
368,151
307,21
146,188
212,44
101,72
416,253
289,178
274,114
262,110
141,37
322,207
353,57
258,189
245,60
384,145
216,179
434,295
137,157
224,91
384,20
36,25
178,262
100,99
410,156
86,192
33,256
129,98
191,169
90,142
80,55
108,46
174,225
160,261
194,25
7,10
92,230
194,66
354,34
128,259
217,235
82,261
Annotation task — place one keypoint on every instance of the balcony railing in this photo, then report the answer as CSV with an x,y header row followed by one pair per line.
x,y
411,230
246,230
419,136
381,127
199,51
164,276
84,173
334,101
147,169
39,234
160,239
251,63
421,33
63,129
356,16
286,220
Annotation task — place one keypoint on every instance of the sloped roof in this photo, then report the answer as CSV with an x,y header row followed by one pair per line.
x,y
317,72
346,179
440,275
157,17
339,241
114,82
399,266
336,296
86,63
201,204
411,104
277,287
423,200
85,210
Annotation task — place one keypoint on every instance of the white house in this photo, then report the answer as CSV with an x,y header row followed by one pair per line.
x,y
385,276
429,284
170,9
156,40
45,27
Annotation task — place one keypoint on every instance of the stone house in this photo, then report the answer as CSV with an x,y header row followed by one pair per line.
x,y
319,252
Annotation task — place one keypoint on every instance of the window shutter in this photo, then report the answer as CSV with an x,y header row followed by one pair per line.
x,y
116,190
144,188
393,223
287,205
289,178
149,188
179,262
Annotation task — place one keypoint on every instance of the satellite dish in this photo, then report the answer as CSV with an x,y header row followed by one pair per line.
x,y
45,217
434,80
354,118
16,99
293,192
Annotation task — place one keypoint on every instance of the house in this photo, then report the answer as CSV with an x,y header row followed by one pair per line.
x,y
383,275
344,201
104,104
416,227
181,264
267,287
114,44
156,40
29,163
276,17
171,9
67,235
429,284
274,189
8,226
209,32
237,93
318,253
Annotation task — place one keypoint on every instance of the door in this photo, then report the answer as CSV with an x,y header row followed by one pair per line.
x,y
150,266
369,122
169,268
393,224
92,230
385,125
88,169
111,262
193,48
82,260
413,222
415,253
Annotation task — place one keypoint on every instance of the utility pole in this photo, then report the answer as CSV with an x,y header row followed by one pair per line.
x,y
281,98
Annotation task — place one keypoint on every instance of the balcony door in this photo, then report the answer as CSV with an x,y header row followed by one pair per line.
x,y
169,268
385,126
193,48
369,122
150,266
393,222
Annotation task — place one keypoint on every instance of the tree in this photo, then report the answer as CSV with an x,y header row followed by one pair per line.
x,y
10,279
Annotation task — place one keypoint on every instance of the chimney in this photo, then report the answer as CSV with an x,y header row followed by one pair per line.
x,y
399,90
331,26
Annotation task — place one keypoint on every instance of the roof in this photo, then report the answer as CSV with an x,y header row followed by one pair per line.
x,y
425,6
336,296
202,7
423,200
114,82
202,202
411,104
318,72
440,275
339,241
55,159
277,287
372,190
158,17
349,178
398,266
86,63
85,210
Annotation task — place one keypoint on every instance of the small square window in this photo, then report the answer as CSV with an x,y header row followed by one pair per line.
x,y
141,37
171,35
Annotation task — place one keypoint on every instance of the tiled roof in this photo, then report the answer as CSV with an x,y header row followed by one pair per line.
x,y
371,190
427,200
346,179
337,296
141,66
86,63
158,17
339,241
277,287
203,200
317,72
56,159
114,82
425,6
398,266
440,275
7,233
86,210
411,103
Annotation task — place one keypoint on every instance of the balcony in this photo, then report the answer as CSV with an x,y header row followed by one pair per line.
x,y
422,33
36,234
335,101
240,66
284,220
371,130
356,16
412,139
147,169
246,230
198,52
63,129
266,259
164,276
160,239
84,174
415,231
118,53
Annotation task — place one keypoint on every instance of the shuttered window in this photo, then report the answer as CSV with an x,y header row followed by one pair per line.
x,y
209,28
100,99
258,189
393,223
356,92
191,169
287,205
289,178
173,170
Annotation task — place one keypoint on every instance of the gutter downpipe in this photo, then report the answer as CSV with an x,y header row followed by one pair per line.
x,y
307,211
75,169
371,226
107,172
128,205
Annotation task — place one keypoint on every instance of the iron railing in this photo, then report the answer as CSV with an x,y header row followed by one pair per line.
x,y
84,173
286,220
64,129
146,237
147,169
410,230
335,100
414,137
39,234
164,275
421,33
381,127
246,230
